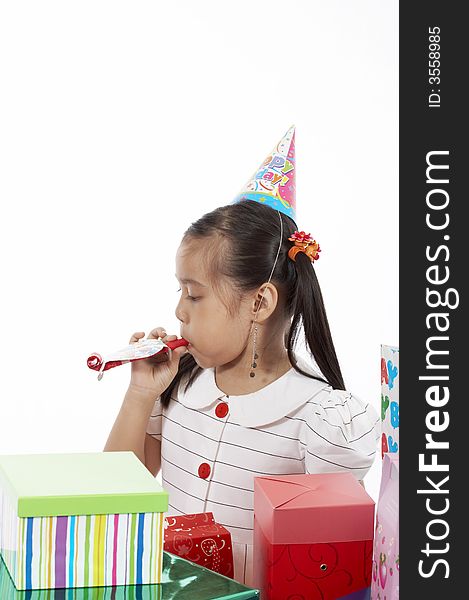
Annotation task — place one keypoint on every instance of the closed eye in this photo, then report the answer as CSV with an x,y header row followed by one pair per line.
x,y
192,298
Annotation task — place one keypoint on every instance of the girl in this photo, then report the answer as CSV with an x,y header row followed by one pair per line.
x,y
238,402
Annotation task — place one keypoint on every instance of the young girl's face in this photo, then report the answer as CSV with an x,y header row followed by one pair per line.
x,y
216,338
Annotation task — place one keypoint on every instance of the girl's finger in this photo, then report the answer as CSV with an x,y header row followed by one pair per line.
x,y
180,351
136,336
158,332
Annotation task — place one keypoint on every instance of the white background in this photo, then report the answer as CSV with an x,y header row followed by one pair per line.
x,y
123,122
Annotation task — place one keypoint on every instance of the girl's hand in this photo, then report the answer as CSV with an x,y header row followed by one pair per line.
x,y
151,374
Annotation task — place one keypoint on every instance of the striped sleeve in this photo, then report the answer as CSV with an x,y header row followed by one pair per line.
x,y
156,420
340,434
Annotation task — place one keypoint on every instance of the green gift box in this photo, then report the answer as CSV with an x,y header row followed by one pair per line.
x,y
80,520
181,580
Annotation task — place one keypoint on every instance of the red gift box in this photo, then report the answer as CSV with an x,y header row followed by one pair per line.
x,y
313,537
199,539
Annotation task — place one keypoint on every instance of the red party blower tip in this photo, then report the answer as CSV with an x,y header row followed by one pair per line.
x,y
176,343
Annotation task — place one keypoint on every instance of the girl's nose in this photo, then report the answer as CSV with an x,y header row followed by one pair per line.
x,y
178,313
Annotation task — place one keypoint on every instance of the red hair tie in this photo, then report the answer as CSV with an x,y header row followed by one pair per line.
x,y
304,243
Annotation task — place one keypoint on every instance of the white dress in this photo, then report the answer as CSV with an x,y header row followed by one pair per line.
x,y
213,445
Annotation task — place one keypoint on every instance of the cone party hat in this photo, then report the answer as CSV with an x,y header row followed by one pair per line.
x,y
273,183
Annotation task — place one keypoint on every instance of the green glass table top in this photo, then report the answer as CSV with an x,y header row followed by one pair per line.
x,y
182,580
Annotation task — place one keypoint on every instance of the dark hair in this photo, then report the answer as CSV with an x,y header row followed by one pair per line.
x,y
244,239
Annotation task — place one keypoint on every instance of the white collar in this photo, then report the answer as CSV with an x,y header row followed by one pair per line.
x,y
271,403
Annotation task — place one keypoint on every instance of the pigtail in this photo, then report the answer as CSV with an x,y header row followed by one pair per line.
x,y
309,311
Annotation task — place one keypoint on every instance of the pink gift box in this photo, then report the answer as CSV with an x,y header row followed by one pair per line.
x,y
313,537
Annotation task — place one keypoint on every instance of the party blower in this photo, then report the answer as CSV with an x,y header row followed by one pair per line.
x,y
152,348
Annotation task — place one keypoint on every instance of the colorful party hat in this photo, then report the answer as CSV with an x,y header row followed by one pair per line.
x,y
273,183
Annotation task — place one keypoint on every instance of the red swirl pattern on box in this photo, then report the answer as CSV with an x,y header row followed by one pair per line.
x,y
198,538
313,571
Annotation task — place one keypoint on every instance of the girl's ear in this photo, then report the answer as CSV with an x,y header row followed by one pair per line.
x,y
267,297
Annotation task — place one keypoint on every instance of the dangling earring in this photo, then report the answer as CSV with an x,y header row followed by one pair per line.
x,y
254,353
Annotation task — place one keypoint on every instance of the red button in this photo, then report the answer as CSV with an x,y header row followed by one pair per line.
x,y
222,410
204,470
